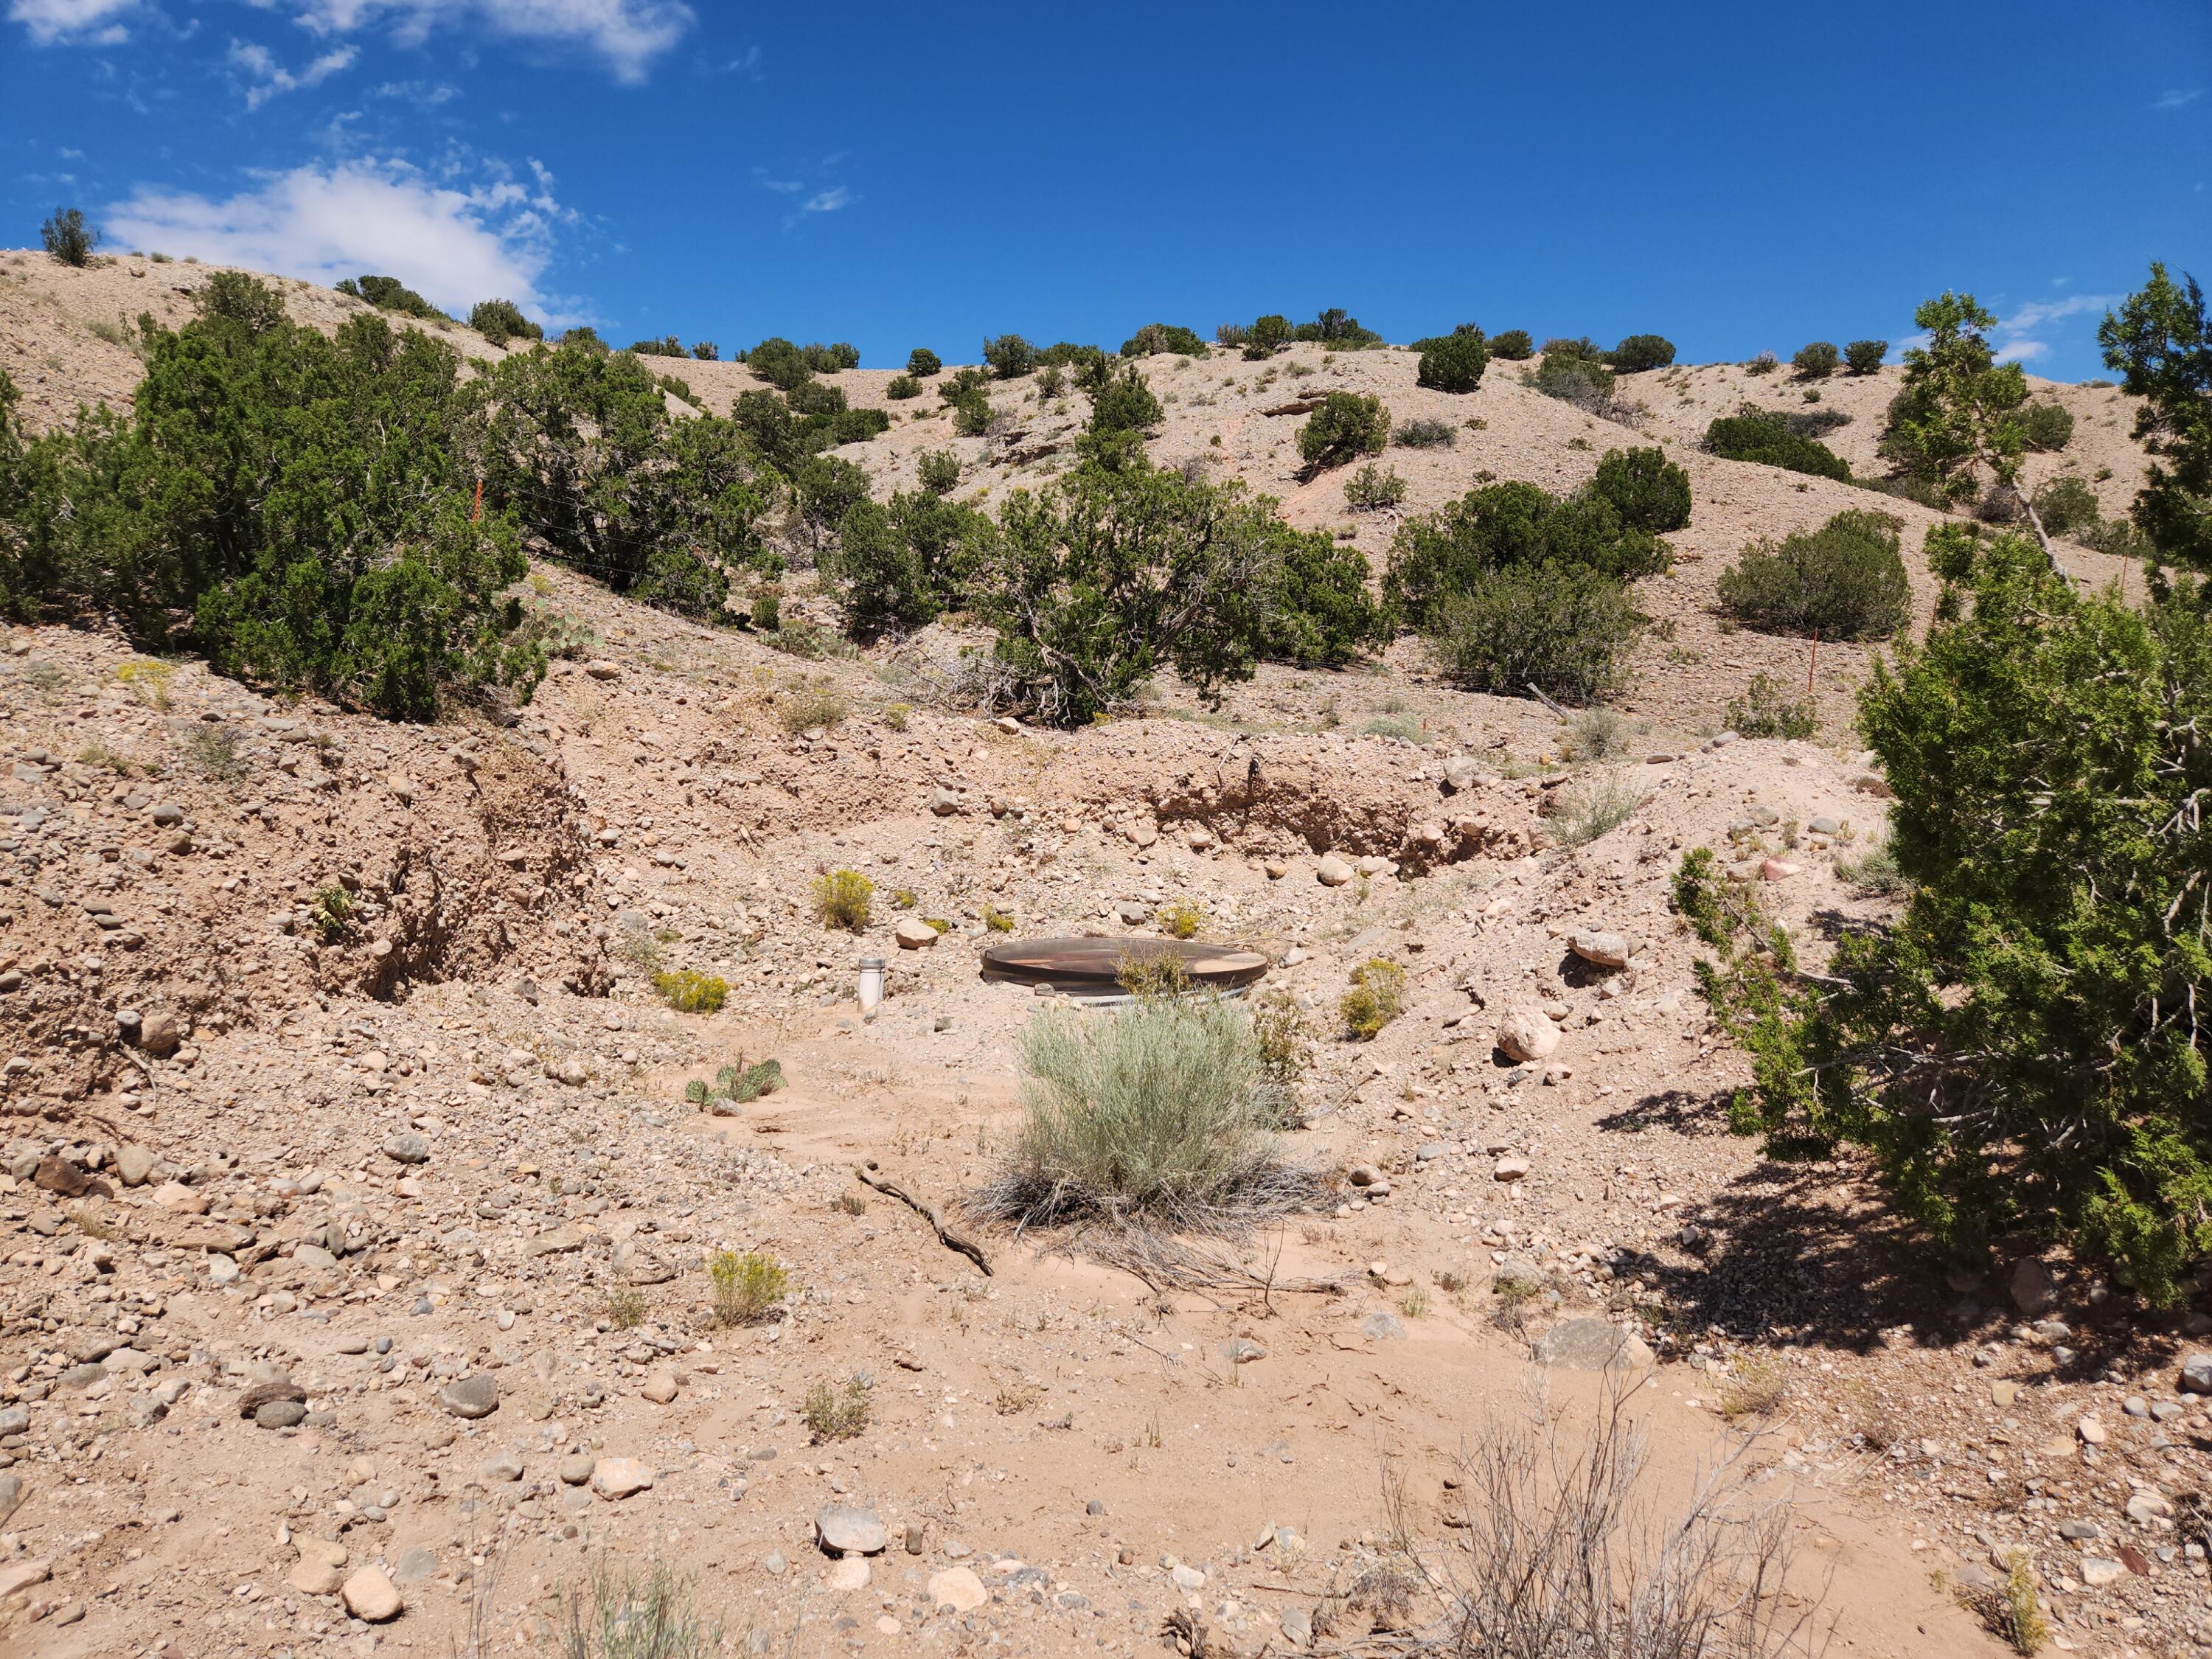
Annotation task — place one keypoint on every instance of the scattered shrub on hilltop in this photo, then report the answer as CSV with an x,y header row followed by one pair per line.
x,y
1345,425
1864,356
1514,345
1454,362
1641,352
1761,436
921,362
1573,377
501,320
1155,337
67,238
1124,402
2045,428
390,293
1815,362
1270,334
1960,414
779,362
1845,581
1372,488
1009,356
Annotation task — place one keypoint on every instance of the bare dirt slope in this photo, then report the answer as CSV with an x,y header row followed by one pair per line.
x,y
359,1245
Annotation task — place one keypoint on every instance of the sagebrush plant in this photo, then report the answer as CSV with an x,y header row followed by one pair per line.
x,y
1152,1115
1766,709
1149,973
619,1613
748,1287
1598,734
1425,435
842,899
626,1307
1762,436
690,992
2017,1051
1377,996
1846,581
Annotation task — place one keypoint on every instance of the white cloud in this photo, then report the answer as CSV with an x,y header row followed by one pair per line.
x,y
2181,98
2020,351
827,201
628,34
270,77
76,21
456,247
2036,313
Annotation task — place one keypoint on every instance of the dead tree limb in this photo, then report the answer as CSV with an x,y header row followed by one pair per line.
x,y
927,1211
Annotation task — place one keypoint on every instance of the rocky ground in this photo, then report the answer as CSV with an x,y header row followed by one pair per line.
x,y
354,1285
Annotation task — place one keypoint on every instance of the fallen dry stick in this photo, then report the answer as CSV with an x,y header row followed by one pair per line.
x,y
927,1211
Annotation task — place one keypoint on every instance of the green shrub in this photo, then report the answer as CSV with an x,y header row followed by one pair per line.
x,y
67,238
1455,363
1514,345
1585,382
2156,338
1815,423
1372,488
748,1288
1401,727
582,337
232,493
1648,490
1567,631
1270,334
1155,337
1759,436
1151,1113
1124,403
812,398
1338,327
840,899
1009,356
1765,363
1815,362
1959,416
1181,919
766,611
1066,354
501,320
2046,427
938,470
1639,352
902,386
779,363
1579,350
1346,425
1864,356
1320,614
2067,504
390,293
332,914
1425,435
1376,996
240,298
1845,581
1441,553
706,351
972,416
1767,710
921,362
2010,1051
667,346
737,1085
690,992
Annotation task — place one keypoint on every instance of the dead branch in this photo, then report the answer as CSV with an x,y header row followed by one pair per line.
x,y
927,1211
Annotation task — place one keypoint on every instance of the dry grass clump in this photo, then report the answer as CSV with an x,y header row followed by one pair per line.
x,y
1151,1116
1595,806
1872,872
626,1308
1558,1546
834,1411
1597,734
1149,975
812,707
748,1288
840,899
1757,1387
1377,996
994,920
628,1615
690,992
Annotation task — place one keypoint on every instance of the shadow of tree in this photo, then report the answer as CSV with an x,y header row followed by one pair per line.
x,y
1684,1111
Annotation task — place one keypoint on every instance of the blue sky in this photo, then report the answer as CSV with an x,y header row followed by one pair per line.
x,y
1737,177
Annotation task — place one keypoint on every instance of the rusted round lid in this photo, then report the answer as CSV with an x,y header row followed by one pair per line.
x,y
1092,963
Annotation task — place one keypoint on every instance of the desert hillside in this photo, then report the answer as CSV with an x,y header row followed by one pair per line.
x,y
375,1225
